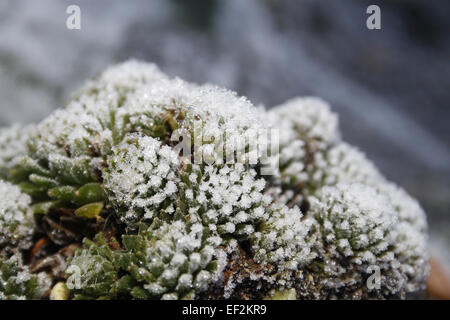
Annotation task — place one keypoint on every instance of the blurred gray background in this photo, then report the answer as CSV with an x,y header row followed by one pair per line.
x,y
391,87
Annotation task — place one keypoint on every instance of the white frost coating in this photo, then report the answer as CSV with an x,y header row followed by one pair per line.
x,y
13,145
121,78
132,96
410,235
408,208
209,113
89,270
141,175
17,283
16,218
120,123
231,198
308,118
342,163
169,296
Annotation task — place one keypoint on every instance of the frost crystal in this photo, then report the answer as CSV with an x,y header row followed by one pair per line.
x,y
227,197
73,145
410,236
354,220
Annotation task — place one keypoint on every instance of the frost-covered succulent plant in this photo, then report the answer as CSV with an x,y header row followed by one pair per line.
x,y
361,226
282,239
71,146
307,126
17,283
16,218
138,164
357,217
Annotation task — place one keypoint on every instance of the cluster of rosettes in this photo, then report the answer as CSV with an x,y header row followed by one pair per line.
x,y
360,220
309,119
68,149
147,179
112,149
71,147
147,158
180,258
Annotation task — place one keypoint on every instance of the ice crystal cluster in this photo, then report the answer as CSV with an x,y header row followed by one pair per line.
x,y
135,172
